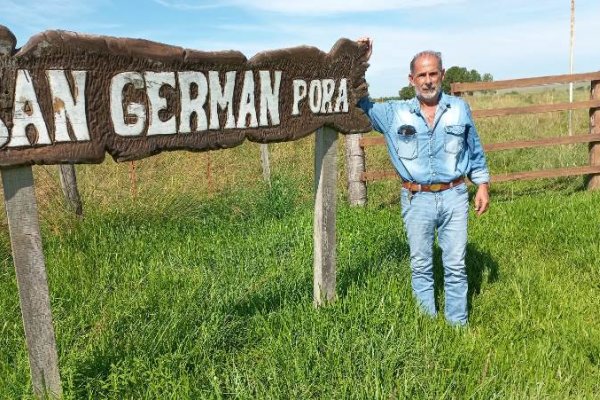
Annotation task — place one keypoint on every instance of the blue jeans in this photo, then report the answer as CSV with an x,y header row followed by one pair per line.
x,y
447,212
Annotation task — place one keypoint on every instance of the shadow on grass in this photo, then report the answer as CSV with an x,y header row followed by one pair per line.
x,y
276,295
479,264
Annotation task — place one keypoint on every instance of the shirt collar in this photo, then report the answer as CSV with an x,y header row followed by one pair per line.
x,y
443,104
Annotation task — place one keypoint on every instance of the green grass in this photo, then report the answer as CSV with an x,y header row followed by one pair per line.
x,y
198,291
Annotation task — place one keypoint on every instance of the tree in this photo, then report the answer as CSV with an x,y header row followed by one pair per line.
x,y
453,74
407,92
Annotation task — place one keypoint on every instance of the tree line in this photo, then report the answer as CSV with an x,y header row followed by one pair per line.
x,y
453,74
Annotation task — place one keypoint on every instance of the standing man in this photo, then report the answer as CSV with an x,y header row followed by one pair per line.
x,y
433,144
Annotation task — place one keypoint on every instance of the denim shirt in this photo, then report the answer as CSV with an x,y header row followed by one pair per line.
x,y
443,153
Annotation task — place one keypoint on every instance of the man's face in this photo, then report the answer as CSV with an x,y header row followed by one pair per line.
x,y
427,78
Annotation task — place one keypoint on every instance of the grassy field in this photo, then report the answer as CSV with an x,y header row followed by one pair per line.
x,y
200,286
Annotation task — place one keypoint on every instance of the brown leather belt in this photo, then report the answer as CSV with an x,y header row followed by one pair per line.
x,y
434,187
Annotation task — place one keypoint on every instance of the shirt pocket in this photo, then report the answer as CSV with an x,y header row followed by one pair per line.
x,y
454,139
406,145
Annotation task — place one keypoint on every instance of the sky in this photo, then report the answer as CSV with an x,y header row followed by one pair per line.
x,y
507,38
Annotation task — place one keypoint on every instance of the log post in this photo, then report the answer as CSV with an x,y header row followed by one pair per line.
x,y
594,180
355,165
28,257
68,183
325,214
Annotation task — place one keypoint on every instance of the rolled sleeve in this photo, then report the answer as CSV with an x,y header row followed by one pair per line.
x,y
478,171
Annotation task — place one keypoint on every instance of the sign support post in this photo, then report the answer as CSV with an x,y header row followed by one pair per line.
x,y
26,243
325,215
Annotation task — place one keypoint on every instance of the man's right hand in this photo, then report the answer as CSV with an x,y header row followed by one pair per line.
x,y
369,42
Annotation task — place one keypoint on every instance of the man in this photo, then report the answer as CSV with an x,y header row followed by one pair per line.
x,y
433,144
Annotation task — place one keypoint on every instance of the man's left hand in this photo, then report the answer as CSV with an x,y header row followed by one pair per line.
x,y
482,199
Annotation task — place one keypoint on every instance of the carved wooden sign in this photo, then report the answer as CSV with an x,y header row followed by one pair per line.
x,y
67,97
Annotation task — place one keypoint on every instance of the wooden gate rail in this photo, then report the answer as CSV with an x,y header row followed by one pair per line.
x,y
458,87
593,138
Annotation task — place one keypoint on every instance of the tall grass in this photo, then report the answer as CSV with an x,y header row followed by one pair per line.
x,y
191,290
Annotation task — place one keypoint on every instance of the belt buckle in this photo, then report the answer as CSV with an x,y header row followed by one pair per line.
x,y
435,187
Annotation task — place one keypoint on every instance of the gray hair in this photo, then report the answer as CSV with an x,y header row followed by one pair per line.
x,y
431,53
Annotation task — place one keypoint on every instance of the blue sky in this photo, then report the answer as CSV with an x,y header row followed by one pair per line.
x,y
507,38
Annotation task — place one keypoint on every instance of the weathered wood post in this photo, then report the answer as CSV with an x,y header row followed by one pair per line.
x,y
68,183
26,243
325,215
266,165
132,180
594,180
355,166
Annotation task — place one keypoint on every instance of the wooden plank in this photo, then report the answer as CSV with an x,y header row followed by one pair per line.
x,y
355,166
524,175
28,257
594,153
68,183
325,214
518,144
461,87
371,141
548,173
370,176
538,108
524,144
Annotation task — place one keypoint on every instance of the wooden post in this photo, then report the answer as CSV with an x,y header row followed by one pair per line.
x,y
355,165
325,214
266,165
594,180
132,180
68,182
208,172
26,243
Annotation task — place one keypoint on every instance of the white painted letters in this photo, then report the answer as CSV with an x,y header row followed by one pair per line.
x,y
68,106
321,94
201,94
4,134
328,88
247,103
221,97
315,95
299,95
269,98
155,81
189,105
341,104
27,112
117,85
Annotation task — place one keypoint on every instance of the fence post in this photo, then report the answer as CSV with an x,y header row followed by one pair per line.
x,y
325,213
594,180
68,183
28,257
355,165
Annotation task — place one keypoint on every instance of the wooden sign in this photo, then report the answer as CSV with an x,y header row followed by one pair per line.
x,y
67,97
70,98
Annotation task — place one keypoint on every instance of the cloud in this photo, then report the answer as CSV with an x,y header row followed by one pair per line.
x,y
192,5
316,7
308,7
